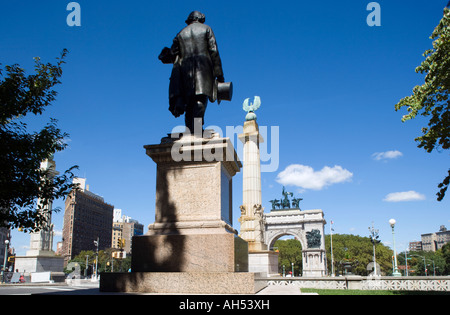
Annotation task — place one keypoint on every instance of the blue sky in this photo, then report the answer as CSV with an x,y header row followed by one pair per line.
x,y
327,81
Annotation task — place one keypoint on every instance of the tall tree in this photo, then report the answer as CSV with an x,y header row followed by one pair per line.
x,y
290,252
432,98
22,181
359,251
445,251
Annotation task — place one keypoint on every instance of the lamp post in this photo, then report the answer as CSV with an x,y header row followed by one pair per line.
x,y
424,263
434,268
4,261
374,240
396,273
332,259
96,243
86,269
292,270
406,264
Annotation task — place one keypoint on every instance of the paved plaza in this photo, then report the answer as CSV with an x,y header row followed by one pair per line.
x,y
92,288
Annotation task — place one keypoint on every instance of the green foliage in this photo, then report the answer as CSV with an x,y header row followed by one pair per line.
x,y
81,260
435,262
22,181
432,98
359,251
356,249
445,252
290,251
105,261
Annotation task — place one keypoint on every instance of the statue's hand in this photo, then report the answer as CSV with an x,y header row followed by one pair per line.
x,y
166,56
221,79
176,114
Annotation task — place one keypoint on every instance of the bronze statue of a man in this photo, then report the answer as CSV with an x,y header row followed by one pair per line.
x,y
197,70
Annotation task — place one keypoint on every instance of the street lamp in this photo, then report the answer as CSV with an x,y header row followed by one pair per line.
x,y
292,269
86,269
374,240
96,243
331,241
434,268
424,263
4,261
406,263
396,273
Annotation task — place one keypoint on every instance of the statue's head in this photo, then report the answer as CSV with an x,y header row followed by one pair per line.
x,y
195,16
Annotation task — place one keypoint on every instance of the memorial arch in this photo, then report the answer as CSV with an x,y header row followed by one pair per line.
x,y
308,227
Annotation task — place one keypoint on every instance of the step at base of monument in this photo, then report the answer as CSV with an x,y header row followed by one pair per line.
x,y
183,282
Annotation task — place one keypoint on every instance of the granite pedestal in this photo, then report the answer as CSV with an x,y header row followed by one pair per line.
x,y
264,262
41,262
182,282
191,247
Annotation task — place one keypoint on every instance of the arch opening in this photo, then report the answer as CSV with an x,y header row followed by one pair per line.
x,y
289,250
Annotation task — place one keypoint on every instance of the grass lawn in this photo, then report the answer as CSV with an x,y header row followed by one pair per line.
x,y
372,292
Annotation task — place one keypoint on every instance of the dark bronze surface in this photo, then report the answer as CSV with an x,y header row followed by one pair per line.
x,y
197,70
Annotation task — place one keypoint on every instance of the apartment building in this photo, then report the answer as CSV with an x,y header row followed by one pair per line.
x,y
87,217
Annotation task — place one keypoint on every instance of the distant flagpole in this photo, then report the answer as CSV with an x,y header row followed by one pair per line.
x,y
332,259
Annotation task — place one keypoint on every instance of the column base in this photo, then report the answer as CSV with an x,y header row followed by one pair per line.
x,y
182,282
264,262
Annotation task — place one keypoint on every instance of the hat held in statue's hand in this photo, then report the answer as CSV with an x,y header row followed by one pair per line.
x,y
166,56
224,91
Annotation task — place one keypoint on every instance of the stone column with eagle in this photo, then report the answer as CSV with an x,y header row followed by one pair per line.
x,y
252,212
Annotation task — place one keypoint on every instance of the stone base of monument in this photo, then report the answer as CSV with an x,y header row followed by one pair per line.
x,y
263,262
191,247
186,264
314,262
50,263
189,253
182,282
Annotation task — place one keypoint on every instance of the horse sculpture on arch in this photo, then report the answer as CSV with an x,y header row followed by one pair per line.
x,y
284,202
306,226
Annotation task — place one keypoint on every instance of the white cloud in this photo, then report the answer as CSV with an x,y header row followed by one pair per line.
x,y
377,156
404,196
306,178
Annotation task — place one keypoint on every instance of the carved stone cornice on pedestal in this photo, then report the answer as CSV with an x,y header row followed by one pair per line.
x,y
193,150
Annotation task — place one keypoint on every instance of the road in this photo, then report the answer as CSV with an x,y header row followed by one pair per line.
x,y
50,289
91,288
